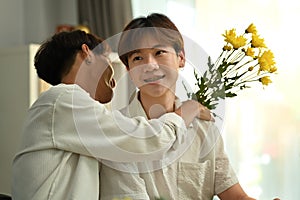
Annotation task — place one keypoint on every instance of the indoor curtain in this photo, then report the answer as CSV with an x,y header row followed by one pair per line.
x,y
105,18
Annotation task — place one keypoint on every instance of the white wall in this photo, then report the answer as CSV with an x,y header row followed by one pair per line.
x,y
23,90
32,21
22,22
11,14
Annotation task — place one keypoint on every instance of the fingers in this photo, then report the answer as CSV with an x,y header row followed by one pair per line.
x,y
202,112
205,114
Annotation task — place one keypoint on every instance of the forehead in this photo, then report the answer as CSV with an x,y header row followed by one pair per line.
x,y
145,38
149,41
150,44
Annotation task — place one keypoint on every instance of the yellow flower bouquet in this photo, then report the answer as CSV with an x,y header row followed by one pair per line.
x,y
244,59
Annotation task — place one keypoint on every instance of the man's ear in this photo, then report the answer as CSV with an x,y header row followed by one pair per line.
x,y
85,49
86,53
181,57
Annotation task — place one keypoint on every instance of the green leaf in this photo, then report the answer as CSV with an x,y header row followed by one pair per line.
x,y
230,94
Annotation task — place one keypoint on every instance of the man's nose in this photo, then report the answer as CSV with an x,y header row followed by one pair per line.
x,y
150,64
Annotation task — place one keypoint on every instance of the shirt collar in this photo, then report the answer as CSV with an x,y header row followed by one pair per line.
x,y
136,108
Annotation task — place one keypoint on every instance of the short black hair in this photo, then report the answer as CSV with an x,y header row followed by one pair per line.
x,y
56,55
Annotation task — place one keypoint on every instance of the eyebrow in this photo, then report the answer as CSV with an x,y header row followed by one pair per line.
x,y
158,46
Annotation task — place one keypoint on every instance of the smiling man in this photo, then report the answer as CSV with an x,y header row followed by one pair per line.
x,y
152,50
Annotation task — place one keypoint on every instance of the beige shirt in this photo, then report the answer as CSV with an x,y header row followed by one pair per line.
x,y
65,135
199,170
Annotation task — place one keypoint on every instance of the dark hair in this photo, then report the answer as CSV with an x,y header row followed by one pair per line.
x,y
56,56
157,25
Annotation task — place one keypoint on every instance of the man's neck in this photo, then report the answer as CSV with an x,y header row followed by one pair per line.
x,y
157,106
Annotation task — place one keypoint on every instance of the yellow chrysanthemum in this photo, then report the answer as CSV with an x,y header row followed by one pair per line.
x,y
273,69
250,52
266,61
265,80
251,29
257,41
227,48
229,35
238,42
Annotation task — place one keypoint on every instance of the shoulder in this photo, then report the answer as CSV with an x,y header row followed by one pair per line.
x,y
209,133
62,93
207,126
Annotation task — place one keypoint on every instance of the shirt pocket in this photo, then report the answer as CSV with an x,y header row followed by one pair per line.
x,y
195,180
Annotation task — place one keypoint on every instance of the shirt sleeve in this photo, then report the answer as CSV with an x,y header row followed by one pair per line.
x,y
84,126
225,176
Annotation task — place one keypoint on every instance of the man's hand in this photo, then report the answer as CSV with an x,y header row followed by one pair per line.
x,y
191,109
205,113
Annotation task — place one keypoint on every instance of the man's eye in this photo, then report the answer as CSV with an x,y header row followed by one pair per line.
x,y
159,52
136,58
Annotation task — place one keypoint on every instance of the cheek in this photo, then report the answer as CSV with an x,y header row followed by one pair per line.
x,y
96,76
170,71
171,80
106,75
136,76
104,92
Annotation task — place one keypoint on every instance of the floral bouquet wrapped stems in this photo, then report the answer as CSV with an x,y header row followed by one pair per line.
x,y
244,59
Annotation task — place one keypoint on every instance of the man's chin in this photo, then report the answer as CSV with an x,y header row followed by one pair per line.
x,y
105,99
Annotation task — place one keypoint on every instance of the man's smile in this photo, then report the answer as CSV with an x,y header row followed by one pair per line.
x,y
154,78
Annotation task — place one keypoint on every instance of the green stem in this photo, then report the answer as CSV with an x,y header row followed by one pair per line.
x,y
219,58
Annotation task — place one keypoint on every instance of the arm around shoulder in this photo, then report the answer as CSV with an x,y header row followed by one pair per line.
x,y
109,134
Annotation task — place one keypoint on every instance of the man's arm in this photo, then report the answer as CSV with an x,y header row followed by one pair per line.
x,y
112,136
235,192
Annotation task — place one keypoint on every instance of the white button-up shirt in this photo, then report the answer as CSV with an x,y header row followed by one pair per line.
x,y
199,170
65,135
